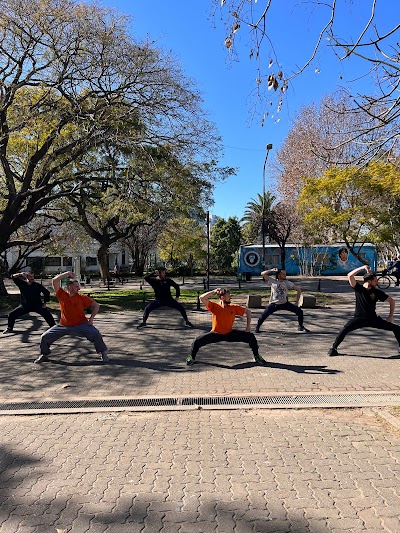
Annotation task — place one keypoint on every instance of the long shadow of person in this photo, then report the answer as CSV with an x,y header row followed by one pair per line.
x,y
299,369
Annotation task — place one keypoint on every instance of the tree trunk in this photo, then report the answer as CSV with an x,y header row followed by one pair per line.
x,y
103,262
283,257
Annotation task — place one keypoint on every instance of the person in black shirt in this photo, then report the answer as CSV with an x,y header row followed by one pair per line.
x,y
31,300
367,295
163,297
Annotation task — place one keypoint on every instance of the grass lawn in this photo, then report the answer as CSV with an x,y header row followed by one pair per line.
x,y
134,300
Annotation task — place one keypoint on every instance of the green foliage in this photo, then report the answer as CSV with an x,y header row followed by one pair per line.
x,y
226,237
183,242
253,217
352,205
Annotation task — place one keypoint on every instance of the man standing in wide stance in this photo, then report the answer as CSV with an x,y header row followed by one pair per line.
x,y
279,298
31,300
162,285
73,318
367,296
223,317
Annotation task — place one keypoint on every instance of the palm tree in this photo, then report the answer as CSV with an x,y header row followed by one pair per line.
x,y
253,216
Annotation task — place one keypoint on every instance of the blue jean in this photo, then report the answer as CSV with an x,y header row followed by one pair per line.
x,y
88,331
287,306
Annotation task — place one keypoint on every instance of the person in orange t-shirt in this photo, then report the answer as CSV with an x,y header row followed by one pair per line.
x,y
223,317
73,318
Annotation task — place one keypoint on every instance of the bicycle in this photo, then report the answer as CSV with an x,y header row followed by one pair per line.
x,y
385,280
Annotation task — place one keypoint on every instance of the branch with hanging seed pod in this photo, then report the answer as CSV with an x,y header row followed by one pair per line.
x,y
272,82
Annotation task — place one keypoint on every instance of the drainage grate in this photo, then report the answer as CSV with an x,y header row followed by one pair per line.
x,y
205,402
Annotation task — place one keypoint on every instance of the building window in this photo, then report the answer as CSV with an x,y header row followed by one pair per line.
x,y
53,261
91,261
67,261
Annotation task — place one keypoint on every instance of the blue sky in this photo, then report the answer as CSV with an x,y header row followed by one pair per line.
x,y
185,28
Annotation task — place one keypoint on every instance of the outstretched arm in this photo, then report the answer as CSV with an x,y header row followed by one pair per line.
x,y
298,290
56,281
95,310
248,316
177,288
21,275
205,298
351,275
392,305
267,273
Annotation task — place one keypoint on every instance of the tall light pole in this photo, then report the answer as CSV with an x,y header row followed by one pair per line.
x,y
268,147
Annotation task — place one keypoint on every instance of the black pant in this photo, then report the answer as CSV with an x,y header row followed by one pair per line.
x,y
23,310
155,304
287,306
358,323
233,336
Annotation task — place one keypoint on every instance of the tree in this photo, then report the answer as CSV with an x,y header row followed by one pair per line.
x,y
225,241
141,243
253,217
71,77
375,45
182,242
150,187
279,226
352,205
317,141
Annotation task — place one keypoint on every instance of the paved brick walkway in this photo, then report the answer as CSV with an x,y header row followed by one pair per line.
x,y
203,471
238,471
151,362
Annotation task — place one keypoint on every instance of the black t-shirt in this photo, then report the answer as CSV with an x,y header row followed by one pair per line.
x,y
31,293
366,300
162,287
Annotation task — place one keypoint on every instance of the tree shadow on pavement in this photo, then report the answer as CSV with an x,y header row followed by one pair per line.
x,y
299,369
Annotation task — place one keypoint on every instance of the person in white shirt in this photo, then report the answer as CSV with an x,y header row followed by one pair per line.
x,y
279,297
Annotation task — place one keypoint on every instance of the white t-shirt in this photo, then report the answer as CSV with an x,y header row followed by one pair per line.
x,y
279,290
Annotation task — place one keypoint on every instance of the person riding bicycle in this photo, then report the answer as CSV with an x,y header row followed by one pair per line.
x,y
395,270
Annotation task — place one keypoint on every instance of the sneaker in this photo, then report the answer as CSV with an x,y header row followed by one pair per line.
x,y
142,325
260,361
7,330
257,330
332,352
303,329
189,360
104,357
42,359
189,325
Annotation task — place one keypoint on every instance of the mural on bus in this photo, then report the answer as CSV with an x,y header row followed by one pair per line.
x,y
328,260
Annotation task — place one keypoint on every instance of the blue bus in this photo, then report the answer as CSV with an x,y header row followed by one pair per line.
x,y
318,260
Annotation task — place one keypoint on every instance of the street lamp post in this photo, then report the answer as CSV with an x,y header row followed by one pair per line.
x,y
268,147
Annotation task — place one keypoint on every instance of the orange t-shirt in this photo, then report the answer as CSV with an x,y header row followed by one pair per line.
x,y
73,308
224,317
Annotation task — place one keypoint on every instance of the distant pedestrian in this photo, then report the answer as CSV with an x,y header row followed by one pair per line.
x,y
367,296
223,317
117,272
161,285
279,298
73,318
395,270
34,297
